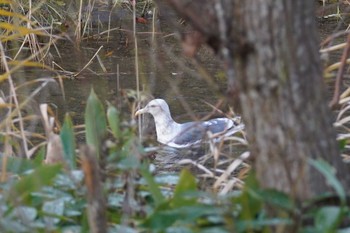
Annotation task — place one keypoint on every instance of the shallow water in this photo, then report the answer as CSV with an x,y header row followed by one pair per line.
x,y
163,71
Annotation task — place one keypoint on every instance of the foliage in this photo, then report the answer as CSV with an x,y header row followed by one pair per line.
x,y
95,120
41,198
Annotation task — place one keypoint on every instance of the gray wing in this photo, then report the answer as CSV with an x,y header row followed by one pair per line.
x,y
191,133
219,125
194,132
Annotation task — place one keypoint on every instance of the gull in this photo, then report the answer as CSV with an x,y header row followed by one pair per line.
x,y
181,135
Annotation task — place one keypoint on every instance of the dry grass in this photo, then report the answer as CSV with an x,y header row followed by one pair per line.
x,y
20,48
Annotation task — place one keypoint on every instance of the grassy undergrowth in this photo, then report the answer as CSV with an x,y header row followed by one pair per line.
x,y
60,196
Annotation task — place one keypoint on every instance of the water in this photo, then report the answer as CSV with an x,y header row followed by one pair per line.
x,y
164,72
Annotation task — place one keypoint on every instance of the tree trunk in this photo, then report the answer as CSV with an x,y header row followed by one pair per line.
x,y
273,48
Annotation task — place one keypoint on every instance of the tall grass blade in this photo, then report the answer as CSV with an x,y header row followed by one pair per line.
x,y
329,173
114,121
153,187
13,14
20,29
68,142
95,122
186,184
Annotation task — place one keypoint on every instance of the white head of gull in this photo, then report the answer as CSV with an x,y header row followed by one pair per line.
x,y
187,134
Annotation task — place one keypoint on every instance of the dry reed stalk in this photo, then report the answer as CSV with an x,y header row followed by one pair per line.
x,y
20,64
101,64
14,112
241,141
87,17
78,28
96,206
54,152
230,184
7,146
345,93
89,62
137,73
153,25
335,66
335,100
197,165
342,112
31,38
14,97
109,20
333,48
233,166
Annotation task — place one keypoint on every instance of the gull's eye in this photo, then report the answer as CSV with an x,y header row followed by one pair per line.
x,y
152,106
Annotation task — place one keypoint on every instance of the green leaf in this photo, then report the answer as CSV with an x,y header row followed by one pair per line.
x,y
152,185
260,224
52,209
18,165
39,156
68,142
42,176
95,122
277,199
250,200
187,184
329,173
342,144
162,219
114,121
327,218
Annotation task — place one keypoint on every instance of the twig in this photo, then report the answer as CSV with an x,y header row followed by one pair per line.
x,y
89,62
231,168
332,37
199,166
333,48
340,74
230,184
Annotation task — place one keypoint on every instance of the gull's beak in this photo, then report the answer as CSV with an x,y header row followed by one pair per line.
x,y
139,112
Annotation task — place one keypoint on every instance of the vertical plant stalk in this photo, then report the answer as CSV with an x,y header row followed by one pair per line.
x,y
31,37
136,63
78,29
54,151
153,25
14,96
340,74
7,150
7,144
109,20
88,17
220,14
96,201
